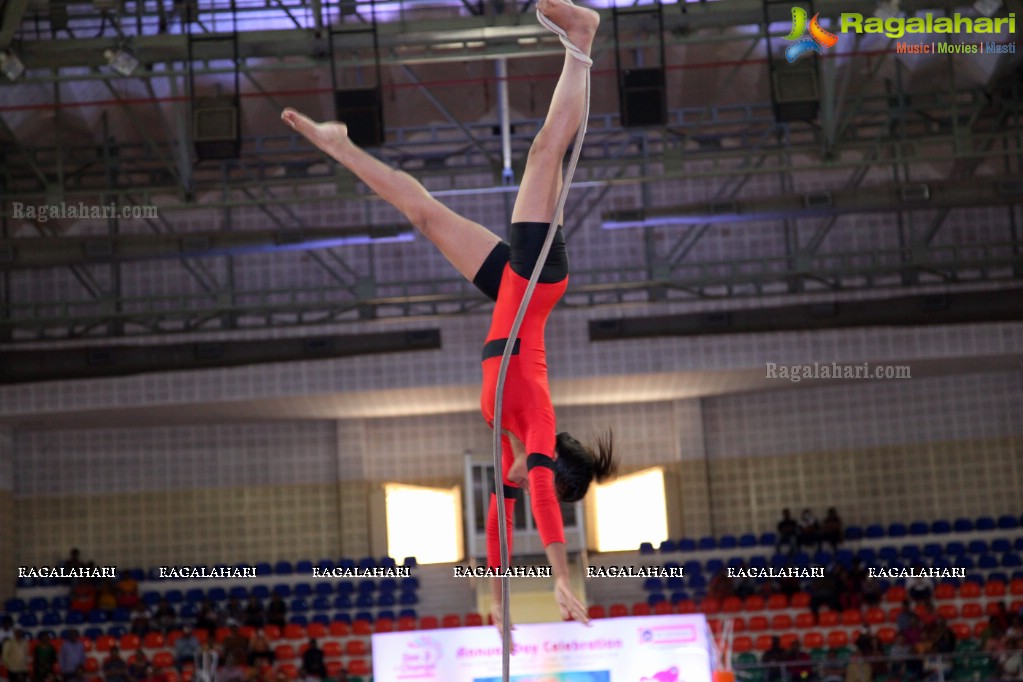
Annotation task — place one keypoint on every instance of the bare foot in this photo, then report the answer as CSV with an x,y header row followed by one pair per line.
x,y
579,23
326,136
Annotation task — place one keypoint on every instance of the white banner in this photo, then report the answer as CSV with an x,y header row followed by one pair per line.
x,y
673,648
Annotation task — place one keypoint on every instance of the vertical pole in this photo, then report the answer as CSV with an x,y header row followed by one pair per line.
x,y
504,112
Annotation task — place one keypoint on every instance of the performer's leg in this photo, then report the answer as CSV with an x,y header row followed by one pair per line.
x,y
464,243
541,181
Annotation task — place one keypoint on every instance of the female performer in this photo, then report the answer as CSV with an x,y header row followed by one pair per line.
x,y
552,466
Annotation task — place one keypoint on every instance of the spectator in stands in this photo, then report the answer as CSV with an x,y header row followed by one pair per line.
x,y
259,649
106,596
900,654
745,586
1011,662
150,674
831,529
254,615
140,620
905,617
798,664
138,665
73,563
858,669
43,658
236,648
115,668
14,656
6,628
83,596
824,592
1002,616
72,658
788,533
312,662
127,592
851,592
235,612
720,586
833,668
165,617
277,611
919,587
186,648
867,643
208,618
809,530
773,658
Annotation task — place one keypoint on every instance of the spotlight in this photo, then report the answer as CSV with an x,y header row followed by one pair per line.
x,y
988,8
11,65
121,60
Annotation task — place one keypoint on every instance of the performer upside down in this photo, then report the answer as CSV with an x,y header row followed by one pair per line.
x,y
552,466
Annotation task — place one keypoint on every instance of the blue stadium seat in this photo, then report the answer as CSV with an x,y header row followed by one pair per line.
x,y
387,562
697,582
910,552
962,525
1001,545
386,613
919,528
263,568
195,595
52,619
410,583
325,564
365,601
174,596
674,583
346,587
897,530
364,615
941,526
1008,522
655,598
410,561
866,555
388,585
343,601
322,604
96,617
188,611
321,618
822,558
932,550
117,631
282,590
975,578
28,619
93,633
888,553
728,542
801,559
408,613
283,568
346,564
687,545
260,592
874,531
239,592
1018,544
707,542
758,561
367,562
668,546
298,606
965,561
678,596
323,589
853,533
217,594
977,547
1011,560
367,586
1017,575
646,548
714,565
954,549
735,562
25,583
985,523
299,619
342,618
768,539
302,590
151,598
120,616
653,585
136,574
38,604
386,599
74,618
304,567
408,599
748,540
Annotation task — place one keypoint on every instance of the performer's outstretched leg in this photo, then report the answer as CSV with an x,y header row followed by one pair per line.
x,y
541,181
464,243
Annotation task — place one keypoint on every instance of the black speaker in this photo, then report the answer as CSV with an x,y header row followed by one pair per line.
x,y
794,91
216,128
363,111
643,101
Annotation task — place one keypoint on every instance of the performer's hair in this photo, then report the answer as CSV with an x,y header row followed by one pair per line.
x,y
577,464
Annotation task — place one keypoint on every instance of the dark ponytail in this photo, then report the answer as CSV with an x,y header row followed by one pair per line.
x,y
576,465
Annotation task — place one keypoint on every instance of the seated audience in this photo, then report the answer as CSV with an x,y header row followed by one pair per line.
x,y
312,661
186,648
788,533
14,656
115,668
831,529
809,530
254,616
44,657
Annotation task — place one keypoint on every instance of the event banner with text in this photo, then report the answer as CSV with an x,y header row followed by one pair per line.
x,y
673,648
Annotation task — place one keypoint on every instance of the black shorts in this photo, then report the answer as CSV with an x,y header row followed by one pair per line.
x,y
526,243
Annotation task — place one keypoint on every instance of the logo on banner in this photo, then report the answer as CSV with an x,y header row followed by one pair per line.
x,y
420,657
668,635
669,675
819,38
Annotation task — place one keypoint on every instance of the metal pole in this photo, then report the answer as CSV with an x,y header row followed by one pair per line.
x,y
504,111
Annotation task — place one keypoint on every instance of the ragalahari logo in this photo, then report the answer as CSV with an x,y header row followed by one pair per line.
x,y
819,38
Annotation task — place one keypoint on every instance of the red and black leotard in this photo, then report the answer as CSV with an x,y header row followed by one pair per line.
x,y
526,411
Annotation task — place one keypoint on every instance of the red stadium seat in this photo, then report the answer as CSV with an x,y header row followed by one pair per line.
x,y
170,676
778,601
886,634
284,652
362,627
130,642
332,649
893,614
781,621
383,625
153,640
334,669
875,616
969,590
272,632
451,620
800,600
428,623
948,611
972,610
294,631
754,602
738,625
104,642
731,605
663,608
805,620
316,630
356,647
187,674
838,638
685,606
763,642
641,608
221,634
473,620
813,640
896,594
406,623
993,608
742,644
715,625
944,591
788,638
1016,587
994,588
338,628
91,665
827,619
359,666
619,610
163,659
710,605
596,611
757,623
979,628
852,617
961,630
290,670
